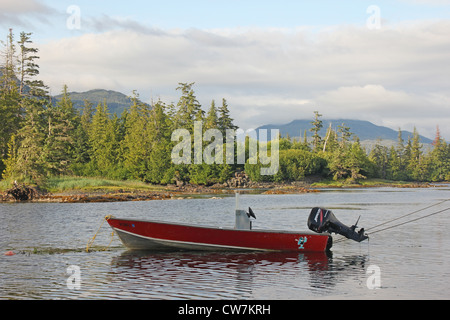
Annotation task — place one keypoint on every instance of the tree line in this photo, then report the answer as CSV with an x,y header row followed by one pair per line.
x,y
340,156
40,138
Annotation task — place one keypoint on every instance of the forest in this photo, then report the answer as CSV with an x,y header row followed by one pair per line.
x,y
41,138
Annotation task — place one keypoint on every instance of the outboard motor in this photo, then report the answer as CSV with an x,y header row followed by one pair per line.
x,y
323,220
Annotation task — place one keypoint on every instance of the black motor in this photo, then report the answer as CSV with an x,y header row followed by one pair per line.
x,y
323,220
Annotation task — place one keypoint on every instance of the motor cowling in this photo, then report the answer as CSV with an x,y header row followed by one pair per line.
x,y
323,220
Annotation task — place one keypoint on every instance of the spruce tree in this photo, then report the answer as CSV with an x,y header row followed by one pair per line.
x,y
11,113
317,126
59,145
104,141
29,163
159,162
439,159
29,69
225,121
211,120
137,142
416,167
188,108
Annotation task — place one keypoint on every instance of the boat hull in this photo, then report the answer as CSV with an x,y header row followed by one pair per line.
x,y
153,235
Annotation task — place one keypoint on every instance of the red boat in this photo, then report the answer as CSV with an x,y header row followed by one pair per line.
x,y
154,235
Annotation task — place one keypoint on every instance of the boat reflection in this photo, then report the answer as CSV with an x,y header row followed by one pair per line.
x,y
220,275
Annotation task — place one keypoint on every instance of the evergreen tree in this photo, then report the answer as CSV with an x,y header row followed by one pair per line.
x,y
59,145
331,140
28,162
396,160
160,154
81,147
28,69
416,165
439,159
317,126
104,142
225,121
11,113
9,77
379,156
211,120
344,135
138,139
188,108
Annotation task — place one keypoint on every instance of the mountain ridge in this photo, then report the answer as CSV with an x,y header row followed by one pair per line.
x,y
363,129
117,101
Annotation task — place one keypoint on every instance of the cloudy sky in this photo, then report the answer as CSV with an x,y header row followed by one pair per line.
x,y
274,61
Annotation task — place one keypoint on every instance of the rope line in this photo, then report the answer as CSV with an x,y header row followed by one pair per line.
x,y
404,216
91,241
409,221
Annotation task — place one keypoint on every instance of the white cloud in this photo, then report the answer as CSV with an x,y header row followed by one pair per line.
x,y
396,75
13,12
428,2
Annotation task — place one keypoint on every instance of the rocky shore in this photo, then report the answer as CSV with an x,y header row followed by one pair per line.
x,y
32,194
241,183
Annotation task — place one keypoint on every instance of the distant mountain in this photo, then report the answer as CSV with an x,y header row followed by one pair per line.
x,y
365,130
117,102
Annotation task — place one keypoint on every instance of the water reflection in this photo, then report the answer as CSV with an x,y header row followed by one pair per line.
x,y
199,275
413,259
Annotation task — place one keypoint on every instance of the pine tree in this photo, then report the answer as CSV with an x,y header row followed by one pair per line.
x,y
159,162
9,77
344,135
11,113
225,121
438,139
397,160
317,126
10,161
104,141
415,165
379,156
81,147
29,140
439,159
28,69
59,145
188,108
211,120
137,141
28,163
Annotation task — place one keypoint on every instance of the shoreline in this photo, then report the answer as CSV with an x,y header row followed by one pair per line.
x,y
174,192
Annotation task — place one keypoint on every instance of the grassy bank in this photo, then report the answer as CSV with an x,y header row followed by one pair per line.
x,y
71,184
67,183
88,184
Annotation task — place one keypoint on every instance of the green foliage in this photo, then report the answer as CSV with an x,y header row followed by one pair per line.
x,y
294,165
40,140
58,149
317,124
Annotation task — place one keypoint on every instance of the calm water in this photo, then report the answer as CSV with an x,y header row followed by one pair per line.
x,y
413,260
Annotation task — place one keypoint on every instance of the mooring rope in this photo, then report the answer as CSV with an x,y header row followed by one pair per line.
x,y
407,215
91,241
404,216
409,221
